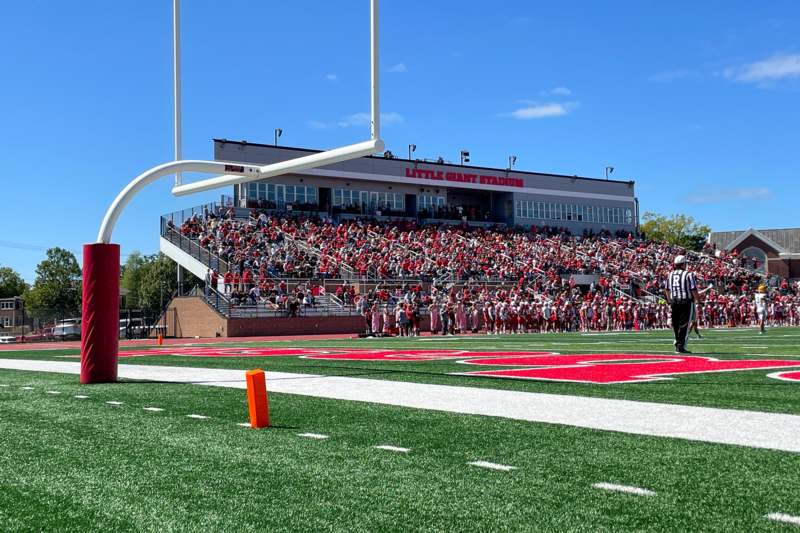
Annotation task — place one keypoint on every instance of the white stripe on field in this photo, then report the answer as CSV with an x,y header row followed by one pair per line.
x,y
153,409
624,488
244,424
492,466
775,431
199,417
785,518
81,397
390,448
114,402
53,392
26,388
317,436
3,385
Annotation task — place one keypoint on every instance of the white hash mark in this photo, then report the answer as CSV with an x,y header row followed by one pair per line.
x,y
492,466
81,397
624,488
786,518
317,436
113,402
390,448
244,424
53,392
153,409
199,417
26,388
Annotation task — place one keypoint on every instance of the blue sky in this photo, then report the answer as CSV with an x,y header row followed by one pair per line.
x,y
699,102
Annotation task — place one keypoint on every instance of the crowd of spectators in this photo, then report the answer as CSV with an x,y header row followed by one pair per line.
x,y
493,279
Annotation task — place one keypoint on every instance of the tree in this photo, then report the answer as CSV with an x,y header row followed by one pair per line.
x,y
56,292
681,230
158,279
11,283
131,278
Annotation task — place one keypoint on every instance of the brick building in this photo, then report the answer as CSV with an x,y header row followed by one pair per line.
x,y
776,250
12,312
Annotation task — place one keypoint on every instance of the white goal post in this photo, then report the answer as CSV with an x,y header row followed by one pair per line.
x,y
101,268
233,173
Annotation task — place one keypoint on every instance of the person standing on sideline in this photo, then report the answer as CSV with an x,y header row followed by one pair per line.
x,y
682,295
762,302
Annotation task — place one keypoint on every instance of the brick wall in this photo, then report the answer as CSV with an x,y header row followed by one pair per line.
x,y
192,317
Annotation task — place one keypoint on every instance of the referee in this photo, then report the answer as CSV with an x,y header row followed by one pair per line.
x,y
681,289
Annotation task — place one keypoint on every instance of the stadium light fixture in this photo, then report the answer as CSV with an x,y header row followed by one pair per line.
x,y
464,156
512,159
278,133
609,170
411,149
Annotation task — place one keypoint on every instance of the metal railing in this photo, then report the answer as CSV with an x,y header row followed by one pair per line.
x,y
193,248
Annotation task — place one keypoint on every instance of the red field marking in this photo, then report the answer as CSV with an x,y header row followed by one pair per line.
x,y
616,368
219,351
786,376
413,355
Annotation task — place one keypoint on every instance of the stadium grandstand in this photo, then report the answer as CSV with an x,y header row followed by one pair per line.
x,y
381,245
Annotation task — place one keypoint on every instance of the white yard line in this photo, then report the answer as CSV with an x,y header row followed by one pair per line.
x,y
390,448
627,489
725,426
317,436
785,518
492,466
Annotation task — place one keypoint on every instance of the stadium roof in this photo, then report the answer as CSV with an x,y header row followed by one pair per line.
x,y
431,162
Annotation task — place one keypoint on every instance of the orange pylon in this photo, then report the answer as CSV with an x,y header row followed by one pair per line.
x,y
257,400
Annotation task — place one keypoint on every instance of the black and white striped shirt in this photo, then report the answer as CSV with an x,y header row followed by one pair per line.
x,y
680,285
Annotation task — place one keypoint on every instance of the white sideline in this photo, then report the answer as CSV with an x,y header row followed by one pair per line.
x,y
725,426
785,518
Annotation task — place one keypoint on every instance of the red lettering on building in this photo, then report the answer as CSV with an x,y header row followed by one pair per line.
x,y
438,175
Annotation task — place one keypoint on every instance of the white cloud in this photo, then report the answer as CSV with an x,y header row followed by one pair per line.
x,y
777,67
400,67
534,110
667,76
727,195
557,91
331,77
357,119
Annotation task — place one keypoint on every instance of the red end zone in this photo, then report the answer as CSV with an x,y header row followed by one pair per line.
x,y
545,366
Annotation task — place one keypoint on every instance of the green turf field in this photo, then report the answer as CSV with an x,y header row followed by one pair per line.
x,y
82,464
737,390
86,465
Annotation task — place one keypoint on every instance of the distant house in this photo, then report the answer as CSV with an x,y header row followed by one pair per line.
x,y
12,312
776,250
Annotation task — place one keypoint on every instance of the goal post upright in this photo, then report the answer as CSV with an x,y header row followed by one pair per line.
x,y
101,267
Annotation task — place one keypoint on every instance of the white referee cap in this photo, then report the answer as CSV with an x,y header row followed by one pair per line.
x,y
679,260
